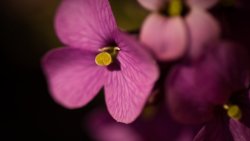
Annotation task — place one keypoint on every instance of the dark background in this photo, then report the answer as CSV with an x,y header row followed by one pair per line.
x,y
27,33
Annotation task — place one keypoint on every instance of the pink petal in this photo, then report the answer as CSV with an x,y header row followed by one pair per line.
x,y
73,77
203,29
103,128
153,5
85,23
202,3
239,131
127,90
166,37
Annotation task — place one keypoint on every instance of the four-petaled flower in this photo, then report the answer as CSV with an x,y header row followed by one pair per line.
x,y
98,54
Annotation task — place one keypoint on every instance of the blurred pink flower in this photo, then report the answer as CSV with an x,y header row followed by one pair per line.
x,y
171,37
225,128
206,90
195,88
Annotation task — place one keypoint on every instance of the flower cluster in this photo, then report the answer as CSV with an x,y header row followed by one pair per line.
x,y
204,88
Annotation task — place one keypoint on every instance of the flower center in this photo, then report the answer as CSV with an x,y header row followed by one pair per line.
x,y
106,56
175,8
233,111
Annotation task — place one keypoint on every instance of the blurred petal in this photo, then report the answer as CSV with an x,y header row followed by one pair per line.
x,y
73,77
202,3
116,132
128,89
216,130
85,23
153,5
203,29
234,60
185,135
189,96
166,37
103,128
239,131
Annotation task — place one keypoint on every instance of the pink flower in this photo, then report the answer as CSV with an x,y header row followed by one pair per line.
x,y
172,37
97,55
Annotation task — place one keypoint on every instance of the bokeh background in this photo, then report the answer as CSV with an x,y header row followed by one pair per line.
x,y
27,33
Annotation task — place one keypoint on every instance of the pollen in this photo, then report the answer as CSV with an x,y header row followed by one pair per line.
x,y
103,59
233,111
175,8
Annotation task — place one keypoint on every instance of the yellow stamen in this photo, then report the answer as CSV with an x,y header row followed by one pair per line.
x,y
106,55
103,59
175,8
226,107
233,111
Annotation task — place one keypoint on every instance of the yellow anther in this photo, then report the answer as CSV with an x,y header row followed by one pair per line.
x,y
233,111
226,107
114,49
103,59
175,8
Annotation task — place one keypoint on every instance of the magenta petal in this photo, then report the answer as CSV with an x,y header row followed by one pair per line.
x,y
73,77
235,63
215,130
203,29
239,131
202,3
189,97
153,5
127,90
166,37
85,23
